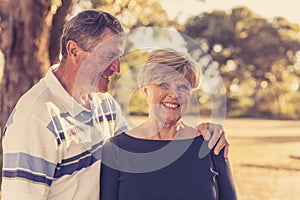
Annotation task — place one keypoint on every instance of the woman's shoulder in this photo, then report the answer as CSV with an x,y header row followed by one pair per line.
x,y
119,138
125,139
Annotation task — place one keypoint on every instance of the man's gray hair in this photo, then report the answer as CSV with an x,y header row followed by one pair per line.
x,y
86,29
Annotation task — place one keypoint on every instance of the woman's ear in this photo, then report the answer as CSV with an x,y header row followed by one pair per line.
x,y
144,90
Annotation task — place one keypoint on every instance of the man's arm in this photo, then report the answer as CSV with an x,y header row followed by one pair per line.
x,y
28,148
215,134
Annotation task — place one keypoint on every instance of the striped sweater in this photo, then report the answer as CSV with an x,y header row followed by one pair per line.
x,y
52,145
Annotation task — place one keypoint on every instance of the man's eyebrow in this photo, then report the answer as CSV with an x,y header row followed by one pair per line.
x,y
120,51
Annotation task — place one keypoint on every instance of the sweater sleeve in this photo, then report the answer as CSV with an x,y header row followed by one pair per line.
x,y
224,179
30,154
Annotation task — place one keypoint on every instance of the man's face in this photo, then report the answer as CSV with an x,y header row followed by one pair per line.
x,y
99,65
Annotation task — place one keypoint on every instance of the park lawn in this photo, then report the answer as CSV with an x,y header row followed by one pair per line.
x,y
265,157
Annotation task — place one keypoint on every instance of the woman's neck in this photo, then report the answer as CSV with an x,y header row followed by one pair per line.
x,y
151,129
167,132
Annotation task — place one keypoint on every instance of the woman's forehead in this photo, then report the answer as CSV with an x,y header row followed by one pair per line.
x,y
177,78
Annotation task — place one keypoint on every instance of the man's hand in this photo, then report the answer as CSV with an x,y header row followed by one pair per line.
x,y
214,133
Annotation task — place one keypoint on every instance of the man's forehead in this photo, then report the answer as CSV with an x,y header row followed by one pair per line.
x,y
115,48
111,36
111,42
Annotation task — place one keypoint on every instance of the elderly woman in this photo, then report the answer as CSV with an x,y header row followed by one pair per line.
x,y
159,159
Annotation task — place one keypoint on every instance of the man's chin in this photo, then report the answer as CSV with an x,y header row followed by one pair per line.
x,y
103,86
102,89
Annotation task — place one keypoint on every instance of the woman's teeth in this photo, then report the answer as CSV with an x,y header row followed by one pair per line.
x,y
171,105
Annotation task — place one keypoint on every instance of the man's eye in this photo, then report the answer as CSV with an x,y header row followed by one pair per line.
x,y
108,56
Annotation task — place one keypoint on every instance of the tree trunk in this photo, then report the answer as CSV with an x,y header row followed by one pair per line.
x,y
57,27
24,41
25,28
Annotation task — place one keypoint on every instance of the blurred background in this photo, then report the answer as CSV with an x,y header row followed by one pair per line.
x,y
255,45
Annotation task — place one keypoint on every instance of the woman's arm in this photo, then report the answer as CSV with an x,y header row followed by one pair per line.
x,y
225,182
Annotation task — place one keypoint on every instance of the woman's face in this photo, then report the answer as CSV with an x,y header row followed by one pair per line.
x,y
168,98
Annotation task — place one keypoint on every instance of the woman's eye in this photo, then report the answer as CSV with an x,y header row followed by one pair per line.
x,y
183,88
164,85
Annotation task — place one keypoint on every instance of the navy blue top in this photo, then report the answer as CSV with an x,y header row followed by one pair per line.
x,y
142,169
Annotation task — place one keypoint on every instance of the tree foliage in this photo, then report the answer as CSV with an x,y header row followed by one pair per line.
x,y
256,57
135,13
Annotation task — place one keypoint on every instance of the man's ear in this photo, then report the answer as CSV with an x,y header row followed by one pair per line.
x,y
72,49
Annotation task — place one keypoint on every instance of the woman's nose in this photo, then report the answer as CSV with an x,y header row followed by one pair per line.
x,y
172,93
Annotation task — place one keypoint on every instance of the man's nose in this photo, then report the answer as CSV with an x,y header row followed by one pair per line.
x,y
115,66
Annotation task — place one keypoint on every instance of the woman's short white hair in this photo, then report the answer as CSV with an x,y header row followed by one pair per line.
x,y
163,62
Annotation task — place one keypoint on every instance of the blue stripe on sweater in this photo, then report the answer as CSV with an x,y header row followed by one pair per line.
x,y
76,163
28,162
27,176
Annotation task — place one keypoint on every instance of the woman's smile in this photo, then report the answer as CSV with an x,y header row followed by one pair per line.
x,y
170,105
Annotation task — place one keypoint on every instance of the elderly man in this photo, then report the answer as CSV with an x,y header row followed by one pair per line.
x,y
53,138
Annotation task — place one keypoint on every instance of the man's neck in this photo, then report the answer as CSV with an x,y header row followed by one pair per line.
x,y
66,77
